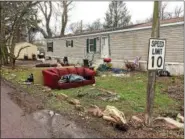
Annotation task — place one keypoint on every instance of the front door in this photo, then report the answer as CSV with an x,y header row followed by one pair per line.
x,y
104,47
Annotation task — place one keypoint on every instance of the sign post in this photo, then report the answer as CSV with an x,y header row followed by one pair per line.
x,y
155,61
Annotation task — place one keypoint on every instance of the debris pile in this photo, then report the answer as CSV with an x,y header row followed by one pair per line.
x,y
74,101
165,73
61,96
110,114
131,66
180,118
46,89
103,68
171,123
79,107
107,95
136,122
45,65
98,93
95,111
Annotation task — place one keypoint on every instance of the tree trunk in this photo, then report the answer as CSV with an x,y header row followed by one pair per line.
x,y
3,48
3,55
12,61
64,18
12,56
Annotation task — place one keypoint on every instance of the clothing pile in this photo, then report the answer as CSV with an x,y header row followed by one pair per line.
x,y
163,73
103,67
71,78
118,71
30,78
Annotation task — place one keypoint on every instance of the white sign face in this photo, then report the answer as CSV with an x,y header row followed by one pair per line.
x,y
156,55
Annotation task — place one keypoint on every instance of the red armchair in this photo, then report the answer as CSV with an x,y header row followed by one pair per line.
x,y
52,76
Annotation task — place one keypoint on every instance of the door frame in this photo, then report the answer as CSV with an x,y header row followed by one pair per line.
x,y
108,41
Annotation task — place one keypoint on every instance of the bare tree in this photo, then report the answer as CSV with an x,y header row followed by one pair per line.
x,y
48,9
163,8
66,10
31,34
163,13
178,12
96,25
18,16
77,27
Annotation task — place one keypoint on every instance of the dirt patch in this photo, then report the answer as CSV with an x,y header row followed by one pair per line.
x,y
135,130
176,92
24,63
28,103
27,62
21,97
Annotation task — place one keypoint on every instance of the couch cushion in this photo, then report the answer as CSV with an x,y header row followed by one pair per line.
x,y
80,71
89,72
62,71
54,70
72,70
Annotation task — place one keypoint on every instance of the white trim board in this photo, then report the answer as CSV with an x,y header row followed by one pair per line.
x,y
116,31
141,61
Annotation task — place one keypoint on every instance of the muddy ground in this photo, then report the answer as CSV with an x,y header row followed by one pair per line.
x,y
31,104
33,122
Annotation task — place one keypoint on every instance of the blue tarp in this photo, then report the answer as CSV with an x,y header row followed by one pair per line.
x,y
71,78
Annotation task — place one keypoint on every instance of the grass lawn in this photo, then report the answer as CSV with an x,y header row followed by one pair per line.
x,y
132,91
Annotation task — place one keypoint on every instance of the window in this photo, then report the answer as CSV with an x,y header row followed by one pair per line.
x,y
50,47
91,45
69,43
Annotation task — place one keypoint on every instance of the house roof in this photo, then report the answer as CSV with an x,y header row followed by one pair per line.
x,y
165,21
162,22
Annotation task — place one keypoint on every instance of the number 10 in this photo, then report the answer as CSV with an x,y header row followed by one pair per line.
x,y
159,61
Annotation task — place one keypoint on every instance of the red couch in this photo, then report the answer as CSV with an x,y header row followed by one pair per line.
x,y
52,76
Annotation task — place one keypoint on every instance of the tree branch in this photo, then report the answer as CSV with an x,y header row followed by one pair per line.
x,y
21,50
69,3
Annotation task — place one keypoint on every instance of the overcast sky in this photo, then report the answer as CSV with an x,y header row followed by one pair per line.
x,y
89,11
92,10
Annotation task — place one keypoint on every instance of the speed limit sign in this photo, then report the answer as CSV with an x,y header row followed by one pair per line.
x,y
156,54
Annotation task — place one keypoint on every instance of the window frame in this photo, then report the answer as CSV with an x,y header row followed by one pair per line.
x,y
69,43
49,48
91,45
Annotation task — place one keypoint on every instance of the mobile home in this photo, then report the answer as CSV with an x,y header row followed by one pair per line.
x,y
122,43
